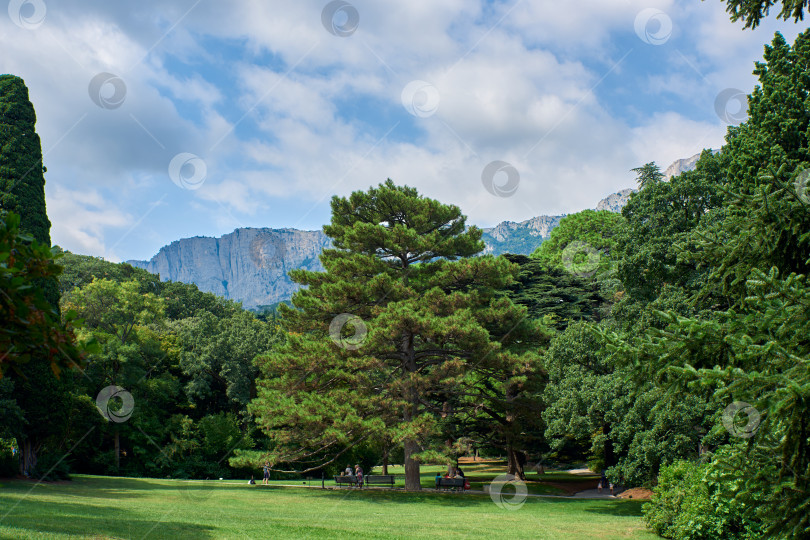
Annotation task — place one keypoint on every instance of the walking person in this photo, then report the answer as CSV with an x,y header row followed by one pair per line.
x,y
358,473
266,473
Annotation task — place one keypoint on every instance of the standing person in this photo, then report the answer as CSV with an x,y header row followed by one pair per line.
x,y
358,472
266,473
438,479
611,488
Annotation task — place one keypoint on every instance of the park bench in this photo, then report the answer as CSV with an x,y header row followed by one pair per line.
x,y
451,483
351,480
378,479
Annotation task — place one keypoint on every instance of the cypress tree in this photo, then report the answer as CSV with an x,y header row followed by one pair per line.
x,y
22,180
22,192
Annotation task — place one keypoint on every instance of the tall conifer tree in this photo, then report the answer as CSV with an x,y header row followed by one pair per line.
x,y
22,180
419,315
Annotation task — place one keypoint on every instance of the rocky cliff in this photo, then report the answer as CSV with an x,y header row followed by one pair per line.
x,y
615,201
248,265
682,165
521,238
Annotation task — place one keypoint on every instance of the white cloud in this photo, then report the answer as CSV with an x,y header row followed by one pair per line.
x,y
81,219
301,114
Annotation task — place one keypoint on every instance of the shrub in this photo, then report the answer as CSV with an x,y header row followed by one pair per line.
x,y
696,501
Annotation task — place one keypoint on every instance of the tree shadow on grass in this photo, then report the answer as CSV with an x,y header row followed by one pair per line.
x,y
116,488
399,496
81,519
621,508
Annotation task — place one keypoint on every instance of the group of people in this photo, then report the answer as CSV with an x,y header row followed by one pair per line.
x,y
357,473
451,473
603,483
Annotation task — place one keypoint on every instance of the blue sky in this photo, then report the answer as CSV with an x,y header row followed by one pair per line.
x,y
164,120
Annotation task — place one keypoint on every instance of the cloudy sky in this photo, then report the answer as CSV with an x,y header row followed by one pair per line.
x,y
169,119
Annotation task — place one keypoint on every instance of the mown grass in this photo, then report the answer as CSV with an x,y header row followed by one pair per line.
x,y
106,507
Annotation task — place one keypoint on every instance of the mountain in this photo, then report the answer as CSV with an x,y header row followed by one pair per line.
x,y
250,265
615,201
682,165
520,238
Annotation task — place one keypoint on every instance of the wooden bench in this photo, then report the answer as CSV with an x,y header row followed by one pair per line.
x,y
351,480
379,479
450,483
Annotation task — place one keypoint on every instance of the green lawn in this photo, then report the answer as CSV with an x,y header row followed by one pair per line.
x,y
105,507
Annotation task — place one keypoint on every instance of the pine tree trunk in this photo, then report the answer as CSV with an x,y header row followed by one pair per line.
x,y
413,481
28,457
412,478
117,452
515,462
386,450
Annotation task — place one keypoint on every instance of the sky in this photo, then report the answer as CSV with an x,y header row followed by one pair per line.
x,y
163,120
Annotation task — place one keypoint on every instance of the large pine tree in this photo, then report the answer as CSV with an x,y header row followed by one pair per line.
x,y
402,269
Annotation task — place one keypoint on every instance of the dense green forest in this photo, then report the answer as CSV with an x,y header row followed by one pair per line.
x,y
666,346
